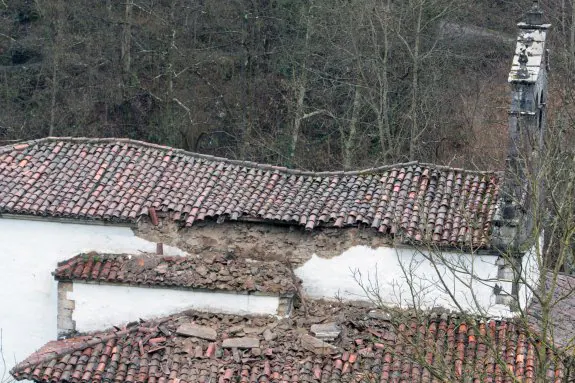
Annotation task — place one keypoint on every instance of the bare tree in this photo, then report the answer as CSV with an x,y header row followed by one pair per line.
x,y
529,285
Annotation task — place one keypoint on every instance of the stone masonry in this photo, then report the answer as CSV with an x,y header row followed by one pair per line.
x,y
66,325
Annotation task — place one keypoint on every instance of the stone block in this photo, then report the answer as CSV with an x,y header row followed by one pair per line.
x,y
64,287
66,323
285,306
327,331
66,304
202,332
269,335
379,314
244,342
317,346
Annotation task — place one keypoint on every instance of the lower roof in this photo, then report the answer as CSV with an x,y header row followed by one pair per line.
x,y
120,180
358,345
208,271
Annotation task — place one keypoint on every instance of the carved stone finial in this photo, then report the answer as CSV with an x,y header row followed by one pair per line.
x,y
534,15
523,60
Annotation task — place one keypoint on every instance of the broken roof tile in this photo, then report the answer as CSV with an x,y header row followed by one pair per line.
x,y
442,347
213,272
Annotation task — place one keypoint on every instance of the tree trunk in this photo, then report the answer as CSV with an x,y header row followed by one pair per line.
x,y
563,16
385,136
300,92
170,68
57,51
126,46
572,36
246,91
301,88
350,142
414,132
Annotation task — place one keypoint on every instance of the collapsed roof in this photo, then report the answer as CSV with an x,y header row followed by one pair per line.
x,y
334,343
211,272
121,180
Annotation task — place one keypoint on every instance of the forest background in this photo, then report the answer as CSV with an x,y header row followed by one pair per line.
x,y
313,84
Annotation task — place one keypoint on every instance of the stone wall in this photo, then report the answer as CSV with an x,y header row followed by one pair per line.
x,y
66,325
333,263
261,241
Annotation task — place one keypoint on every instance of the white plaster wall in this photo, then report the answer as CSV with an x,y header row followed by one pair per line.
x,y
407,278
29,252
102,306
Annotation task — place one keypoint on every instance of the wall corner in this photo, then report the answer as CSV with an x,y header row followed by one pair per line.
x,y
66,326
285,305
506,289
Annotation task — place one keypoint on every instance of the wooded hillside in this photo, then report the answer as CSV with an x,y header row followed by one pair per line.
x,y
312,84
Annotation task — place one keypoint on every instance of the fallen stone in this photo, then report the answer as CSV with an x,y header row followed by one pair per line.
x,y
202,270
257,322
198,352
155,341
317,346
236,355
327,331
268,335
379,314
162,268
244,342
273,325
253,330
236,330
250,285
202,332
188,346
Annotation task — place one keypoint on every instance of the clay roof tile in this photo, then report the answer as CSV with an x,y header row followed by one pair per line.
x,y
270,277
118,180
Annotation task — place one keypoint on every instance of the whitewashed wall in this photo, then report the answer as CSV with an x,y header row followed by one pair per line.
x,y
391,273
29,252
102,306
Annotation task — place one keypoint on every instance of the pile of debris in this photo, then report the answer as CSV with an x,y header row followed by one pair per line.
x,y
208,271
334,342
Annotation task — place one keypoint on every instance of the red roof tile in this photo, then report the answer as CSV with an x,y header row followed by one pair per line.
x,y
205,272
120,180
370,350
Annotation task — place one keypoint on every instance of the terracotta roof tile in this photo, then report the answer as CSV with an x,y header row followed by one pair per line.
x,y
119,180
432,348
205,272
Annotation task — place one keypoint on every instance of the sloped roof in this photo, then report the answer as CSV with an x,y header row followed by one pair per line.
x,y
119,180
213,272
195,347
561,308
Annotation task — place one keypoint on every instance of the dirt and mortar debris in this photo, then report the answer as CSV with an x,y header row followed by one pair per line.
x,y
260,241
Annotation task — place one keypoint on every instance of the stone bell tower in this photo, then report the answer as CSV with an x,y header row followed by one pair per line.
x,y
521,190
528,81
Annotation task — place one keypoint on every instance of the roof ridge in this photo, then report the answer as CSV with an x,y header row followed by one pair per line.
x,y
258,165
